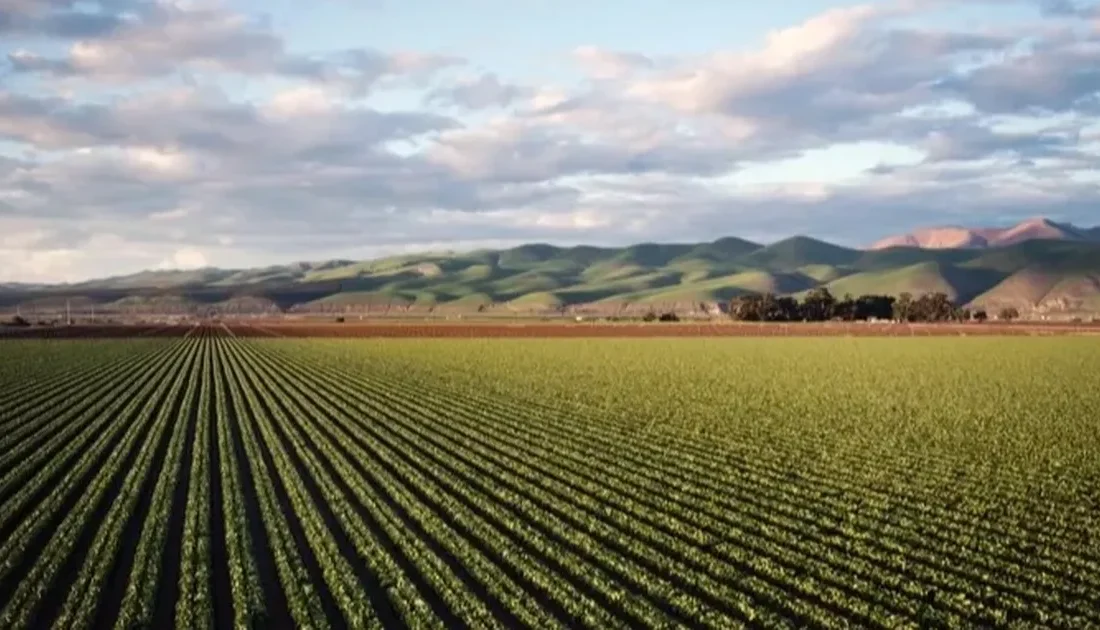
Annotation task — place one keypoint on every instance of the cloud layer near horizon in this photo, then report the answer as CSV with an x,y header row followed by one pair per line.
x,y
127,142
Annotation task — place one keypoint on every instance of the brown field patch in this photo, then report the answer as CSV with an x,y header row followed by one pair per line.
x,y
112,331
581,330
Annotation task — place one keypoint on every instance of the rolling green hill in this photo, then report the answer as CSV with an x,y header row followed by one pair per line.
x,y
799,251
1033,275
959,283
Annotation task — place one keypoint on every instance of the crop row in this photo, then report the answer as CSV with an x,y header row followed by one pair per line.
x,y
216,481
820,529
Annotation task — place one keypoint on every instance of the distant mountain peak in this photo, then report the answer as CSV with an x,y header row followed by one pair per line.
x,y
1037,221
959,237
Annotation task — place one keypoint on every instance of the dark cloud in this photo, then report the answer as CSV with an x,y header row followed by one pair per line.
x,y
1068,8
484,92
1055,80
69,24
65,18
128,41
971,142
205,121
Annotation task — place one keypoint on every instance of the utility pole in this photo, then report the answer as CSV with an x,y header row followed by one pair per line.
x,y
68,313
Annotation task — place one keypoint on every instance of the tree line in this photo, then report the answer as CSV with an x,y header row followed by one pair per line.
x,y
819,305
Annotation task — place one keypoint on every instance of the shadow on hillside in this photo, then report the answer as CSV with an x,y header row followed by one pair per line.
x,y
970,282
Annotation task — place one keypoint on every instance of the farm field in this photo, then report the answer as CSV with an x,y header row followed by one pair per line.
x,y
208,478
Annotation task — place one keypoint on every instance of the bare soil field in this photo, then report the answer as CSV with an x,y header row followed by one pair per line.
x,y
430,330
112,331
720,329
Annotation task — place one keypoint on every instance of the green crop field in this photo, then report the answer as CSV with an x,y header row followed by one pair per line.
x,y
217,481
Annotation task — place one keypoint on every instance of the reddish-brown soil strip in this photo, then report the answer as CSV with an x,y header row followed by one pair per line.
x,y
433,330
562,330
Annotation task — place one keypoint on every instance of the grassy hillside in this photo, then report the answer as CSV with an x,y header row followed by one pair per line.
x,y
542,277
1036,287
799,251
959,283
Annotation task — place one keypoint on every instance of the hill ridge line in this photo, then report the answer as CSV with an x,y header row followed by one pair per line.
x,y
686,277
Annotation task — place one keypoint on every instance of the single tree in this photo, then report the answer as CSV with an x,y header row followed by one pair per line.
x,y
818,305
769,308
747,308
903,307
845,308
787,309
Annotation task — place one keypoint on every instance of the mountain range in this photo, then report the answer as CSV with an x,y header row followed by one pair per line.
x,y
1037,265
958,237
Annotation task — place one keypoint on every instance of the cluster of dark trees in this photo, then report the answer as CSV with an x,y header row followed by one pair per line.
x,y
819,305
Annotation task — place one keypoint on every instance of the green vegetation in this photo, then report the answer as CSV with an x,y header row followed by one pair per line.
x,y
820,305
1044,275
224,482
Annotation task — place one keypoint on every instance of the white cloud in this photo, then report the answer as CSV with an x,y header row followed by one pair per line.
x,y
601,63
147,134
304,100
175,214
160,161
184,258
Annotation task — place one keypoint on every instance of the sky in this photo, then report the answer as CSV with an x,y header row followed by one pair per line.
x,y
138,134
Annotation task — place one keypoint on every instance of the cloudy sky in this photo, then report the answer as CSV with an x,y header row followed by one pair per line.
x,y
138,134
